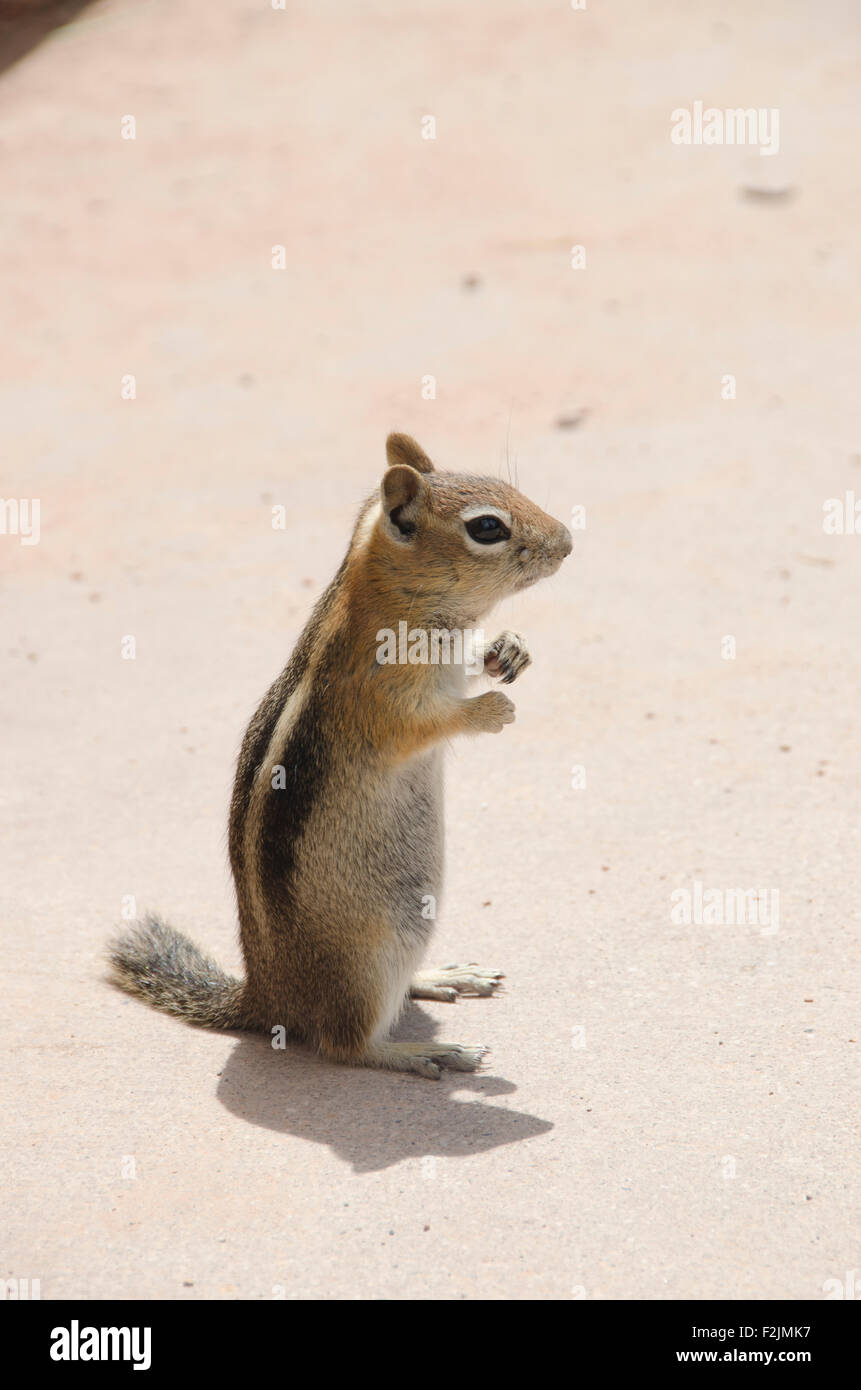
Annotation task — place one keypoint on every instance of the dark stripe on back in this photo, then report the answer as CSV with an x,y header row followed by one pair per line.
x,y
259,732
286,809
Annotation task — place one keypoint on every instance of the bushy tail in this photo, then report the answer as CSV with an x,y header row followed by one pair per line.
x,y
160,965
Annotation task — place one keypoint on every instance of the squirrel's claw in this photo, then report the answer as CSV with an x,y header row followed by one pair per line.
x,y
507,657
446,984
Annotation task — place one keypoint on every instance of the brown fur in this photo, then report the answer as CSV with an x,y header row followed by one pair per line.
x,y
336,815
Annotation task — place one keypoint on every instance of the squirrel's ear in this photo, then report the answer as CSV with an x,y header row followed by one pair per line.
x,y
402,492
402,448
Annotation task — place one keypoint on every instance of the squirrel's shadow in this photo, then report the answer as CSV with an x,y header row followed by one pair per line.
x,y
372,1119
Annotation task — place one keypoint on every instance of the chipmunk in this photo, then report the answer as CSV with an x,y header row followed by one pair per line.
x,y
336,840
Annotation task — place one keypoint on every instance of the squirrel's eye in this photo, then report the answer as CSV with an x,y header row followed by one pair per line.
x,y
488,529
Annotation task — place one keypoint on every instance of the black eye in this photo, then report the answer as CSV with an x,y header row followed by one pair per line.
x,y
487,530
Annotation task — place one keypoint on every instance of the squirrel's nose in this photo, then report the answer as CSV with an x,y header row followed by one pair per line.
x,y
565,542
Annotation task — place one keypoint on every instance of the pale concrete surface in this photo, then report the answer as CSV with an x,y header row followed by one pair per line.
x,y
703,1142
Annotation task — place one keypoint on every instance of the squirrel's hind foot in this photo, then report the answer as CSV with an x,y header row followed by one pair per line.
x,y
446,984
425,1059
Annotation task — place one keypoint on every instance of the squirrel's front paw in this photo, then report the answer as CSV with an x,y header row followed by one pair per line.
x,y
489,713
507,657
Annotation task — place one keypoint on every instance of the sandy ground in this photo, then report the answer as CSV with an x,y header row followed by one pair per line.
x,y
670,1108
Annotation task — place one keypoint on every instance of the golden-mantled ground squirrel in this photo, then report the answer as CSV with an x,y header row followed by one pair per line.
x,y
336,839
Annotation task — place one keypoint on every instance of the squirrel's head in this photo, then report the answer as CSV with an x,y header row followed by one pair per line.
x,y
463,540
